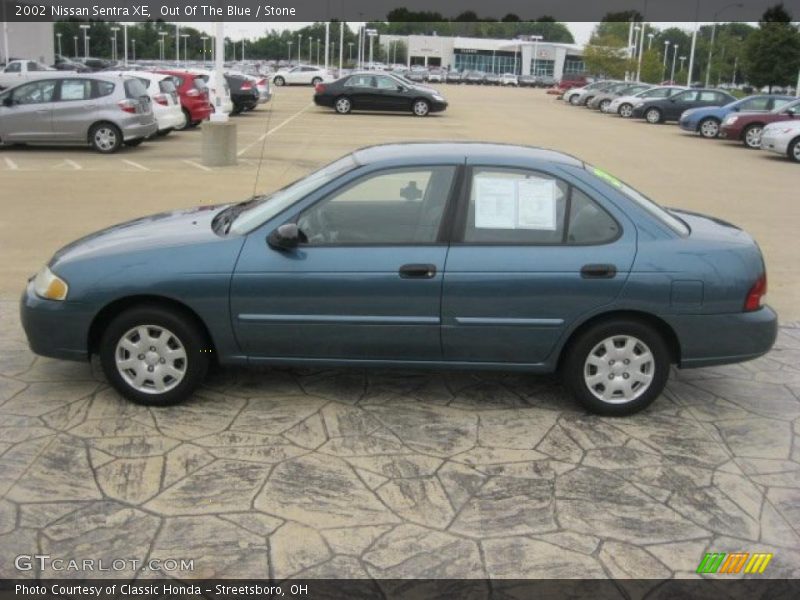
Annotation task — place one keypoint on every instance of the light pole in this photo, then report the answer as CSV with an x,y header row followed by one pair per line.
x,y
309,48
185,55
204,38
317,51
125,44
682,59
664,67
289,43
674,57
713,33
75,41
114,31
299,47
535,39
797,90
85,40
350,51
161,35
372,33
58,36
244,39
641,53
133,49
650,37
735,66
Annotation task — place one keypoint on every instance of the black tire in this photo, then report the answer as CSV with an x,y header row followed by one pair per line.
x,y
709,128
183,328
653,116
105,138
164,132
316,80
603,105
421,107
750,133
573,99
237,110
343,105
279,81
193,124
575,368
186,122
793,150
134,143
625,111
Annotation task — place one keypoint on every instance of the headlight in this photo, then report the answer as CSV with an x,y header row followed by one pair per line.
x,y
438,97
731,120
50,286
638,103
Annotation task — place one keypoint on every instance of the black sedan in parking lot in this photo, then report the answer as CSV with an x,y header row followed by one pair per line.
x,y
378,91
244,93
658,110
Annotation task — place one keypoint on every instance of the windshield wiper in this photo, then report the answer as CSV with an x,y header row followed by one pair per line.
x,y
225,219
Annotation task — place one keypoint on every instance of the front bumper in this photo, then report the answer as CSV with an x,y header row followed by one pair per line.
x,y
688,125
729,133
707,340
55,329
437,106
773,143
638,112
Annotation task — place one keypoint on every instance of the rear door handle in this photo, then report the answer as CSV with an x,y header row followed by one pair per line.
x,y
598,271
417,271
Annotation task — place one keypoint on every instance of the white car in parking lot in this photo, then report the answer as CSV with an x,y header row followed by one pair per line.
x,y
301,75
509,79
210,78
783,138
165,101
20,71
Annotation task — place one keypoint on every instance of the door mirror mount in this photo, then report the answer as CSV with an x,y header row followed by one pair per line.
x,y
8,102
286,237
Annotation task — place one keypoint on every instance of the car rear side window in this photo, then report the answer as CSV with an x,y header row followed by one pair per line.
x,y
588,222
178,80
134,89
75,89
760,103
359,81
103,88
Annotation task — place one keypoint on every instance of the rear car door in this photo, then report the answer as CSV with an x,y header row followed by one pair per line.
x,y
367,282
74,109
26,112
533,250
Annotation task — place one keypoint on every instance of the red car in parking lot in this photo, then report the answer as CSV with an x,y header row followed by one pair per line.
x,y
747,126
193,93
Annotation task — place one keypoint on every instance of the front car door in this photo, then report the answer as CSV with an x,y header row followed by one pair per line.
x,y
391,95
361,91
679,103
26,112
366,283
533,251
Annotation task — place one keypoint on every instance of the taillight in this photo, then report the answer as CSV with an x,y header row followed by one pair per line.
x,y
193,92
161,99
319,88
129,106
263,82
246,86
756,294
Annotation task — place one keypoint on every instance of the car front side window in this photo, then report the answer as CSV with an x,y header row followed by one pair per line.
x,y
397,206
35,93
13,68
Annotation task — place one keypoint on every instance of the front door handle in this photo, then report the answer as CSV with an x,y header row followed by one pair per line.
x,y
598,271
417,271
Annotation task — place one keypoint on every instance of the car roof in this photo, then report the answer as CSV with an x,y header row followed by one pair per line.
x,y
473,150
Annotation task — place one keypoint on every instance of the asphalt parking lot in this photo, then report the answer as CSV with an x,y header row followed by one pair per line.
x,y
387,474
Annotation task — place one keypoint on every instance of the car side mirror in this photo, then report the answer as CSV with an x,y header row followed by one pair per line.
x,y
286,237
400,88
8,102
735,109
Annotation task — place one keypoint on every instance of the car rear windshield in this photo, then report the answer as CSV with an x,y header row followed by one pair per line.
x,y
659,212
201,82
134,88
166,86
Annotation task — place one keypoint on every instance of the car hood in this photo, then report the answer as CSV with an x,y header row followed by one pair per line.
x,y
163,230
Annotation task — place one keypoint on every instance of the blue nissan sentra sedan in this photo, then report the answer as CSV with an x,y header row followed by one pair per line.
x,y
707,120
443,255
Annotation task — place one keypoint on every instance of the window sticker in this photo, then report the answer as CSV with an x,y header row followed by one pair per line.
x,y
495,203
504,203
536,204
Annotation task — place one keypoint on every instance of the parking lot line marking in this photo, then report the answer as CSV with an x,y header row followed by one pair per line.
x,y
135,164
11,164
73,164
263,136
197,165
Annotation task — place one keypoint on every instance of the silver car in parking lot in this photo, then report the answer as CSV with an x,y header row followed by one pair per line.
x,y
104,111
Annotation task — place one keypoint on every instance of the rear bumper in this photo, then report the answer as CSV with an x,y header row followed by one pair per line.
x,y
55,329
708,340
136,130
169,119
199,111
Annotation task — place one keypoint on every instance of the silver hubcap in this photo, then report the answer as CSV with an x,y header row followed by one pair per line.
x,y
653,116
625,110
796,151
573,99
105,138
151,359
279,81
343,105
619,369
420,109
604,105
753,137
709,129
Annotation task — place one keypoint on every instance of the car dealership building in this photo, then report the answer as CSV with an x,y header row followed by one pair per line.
x,y
523,56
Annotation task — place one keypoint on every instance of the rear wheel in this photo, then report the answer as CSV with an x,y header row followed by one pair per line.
x,y
574,100
617,367
626,111
154,355
105,138
187,119
279,81
752,136
316,80
793,151
604,105
421,108
653,116
342,105
134,143
709,128
164,132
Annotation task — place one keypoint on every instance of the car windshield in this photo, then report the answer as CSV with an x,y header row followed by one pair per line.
x,y
784,107
654,209
248,215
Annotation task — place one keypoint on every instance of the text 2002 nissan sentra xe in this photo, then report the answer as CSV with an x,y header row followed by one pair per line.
x,y
478,256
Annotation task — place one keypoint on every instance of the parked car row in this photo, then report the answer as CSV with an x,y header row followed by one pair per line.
x,y
707,112
109,109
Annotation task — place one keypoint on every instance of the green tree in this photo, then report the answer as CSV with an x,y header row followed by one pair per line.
x,y
772,52
605,57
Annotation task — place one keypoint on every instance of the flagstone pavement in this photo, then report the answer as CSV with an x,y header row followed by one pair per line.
x,y
397,474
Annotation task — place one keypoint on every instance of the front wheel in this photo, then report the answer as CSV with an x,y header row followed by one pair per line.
x,y
617,367
626,111
709,128
574,100
279,81
187,120
604,104
316,80
154,355
105,138
421,108
134,143
343,105
653,116
752,137
793,151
